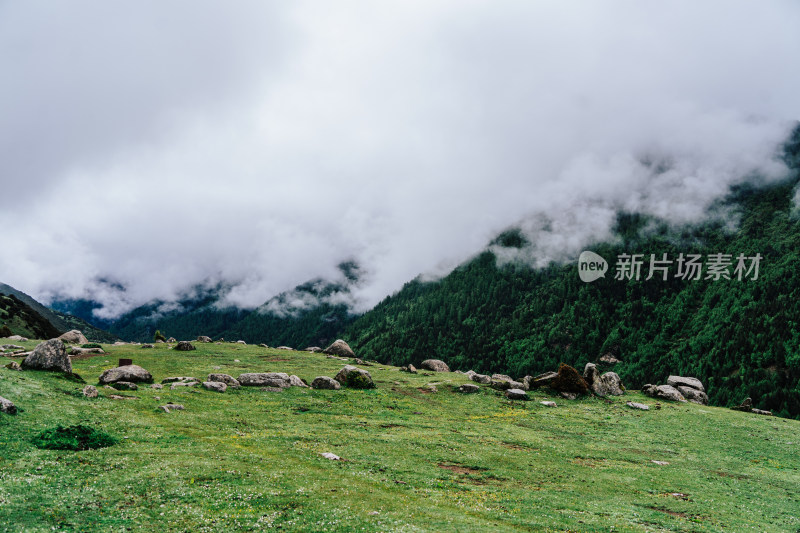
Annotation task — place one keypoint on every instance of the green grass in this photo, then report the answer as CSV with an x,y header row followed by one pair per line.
x,y
248,460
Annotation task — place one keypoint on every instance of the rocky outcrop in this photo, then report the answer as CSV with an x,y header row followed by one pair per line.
x,y
340,348
49,355
664,392
516,394
265,379
324,382
184,346
355,378
132,373
230,381
435,365
216,386
74,337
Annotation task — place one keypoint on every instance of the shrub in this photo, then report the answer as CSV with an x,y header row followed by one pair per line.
x,y
91,345
73,438
569,380
5,331
159,337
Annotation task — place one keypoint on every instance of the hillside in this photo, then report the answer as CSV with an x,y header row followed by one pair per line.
x,y
22,319
412,459
742,337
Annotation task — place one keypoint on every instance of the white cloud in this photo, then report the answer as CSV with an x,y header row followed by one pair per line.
x,y
163,146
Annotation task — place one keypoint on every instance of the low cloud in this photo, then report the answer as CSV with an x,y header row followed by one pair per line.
x,y
260,145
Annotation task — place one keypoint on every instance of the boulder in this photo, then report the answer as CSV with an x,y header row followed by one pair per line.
x,y
693,395
541,380
664,392
468,388
516,394
607,384
324,382
355,378
125,385
132,373
481,378
216,386
436,365
74,337
693,383
184,346
13,365
411,369
49,355
340,348
7,406
230,381
609,359
203,338
295,381
569,380
590,373
179,379
90,391
501,377
264,379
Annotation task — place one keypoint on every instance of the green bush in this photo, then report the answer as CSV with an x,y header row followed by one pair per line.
x,y
91,345
73,438
158,336
5,331
356,380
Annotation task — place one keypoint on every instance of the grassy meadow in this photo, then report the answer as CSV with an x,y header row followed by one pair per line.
x,y
412,459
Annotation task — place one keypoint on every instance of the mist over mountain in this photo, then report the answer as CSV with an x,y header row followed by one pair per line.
x,y
260,145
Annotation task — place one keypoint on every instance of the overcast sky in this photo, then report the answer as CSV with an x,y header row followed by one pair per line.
x,y
157,145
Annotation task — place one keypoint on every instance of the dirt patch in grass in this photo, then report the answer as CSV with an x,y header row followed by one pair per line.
x,y
272,359
461,469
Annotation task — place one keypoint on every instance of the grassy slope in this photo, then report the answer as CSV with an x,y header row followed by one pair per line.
x,y
248,459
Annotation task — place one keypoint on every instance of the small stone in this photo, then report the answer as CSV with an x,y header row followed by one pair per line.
x,y
548,403
178,379
7,406
325,383
157,386
468,388
331,456
516,394
636,405
13,365
230,381
90,391
176,385
481,378
216,386
124,385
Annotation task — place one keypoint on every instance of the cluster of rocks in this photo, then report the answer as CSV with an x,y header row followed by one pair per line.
x,y
747,407
678,389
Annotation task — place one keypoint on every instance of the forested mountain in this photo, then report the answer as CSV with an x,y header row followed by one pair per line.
x,y
740,336
18,318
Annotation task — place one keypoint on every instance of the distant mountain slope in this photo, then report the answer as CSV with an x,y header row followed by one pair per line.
x,y
60,322
742,338
23,320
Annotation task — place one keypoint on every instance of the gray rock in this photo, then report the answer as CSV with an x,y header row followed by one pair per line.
x,y
761,412
132,373
7,406
171,407
608,384
11,347
173,339
331,456
313,349
179,379
178,384
501,377
665,392
157,386
354,377
147,346
74,337
609,359
203,338
590,374
324,382
264,379
49,355
90,391
295,381
501,384
693,395
240,342
411,369
230,381
470,373
13,365
569,395
184,346
340,348
542,379
548,403
216,386
86,351
124,385
747,405
481,378
468,388
636,405
693,383
516,394
18,338
435,365
284,348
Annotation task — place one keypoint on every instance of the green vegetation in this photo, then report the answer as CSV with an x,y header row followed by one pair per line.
x,y
158,336
20,319
413,460
92,345
73,438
